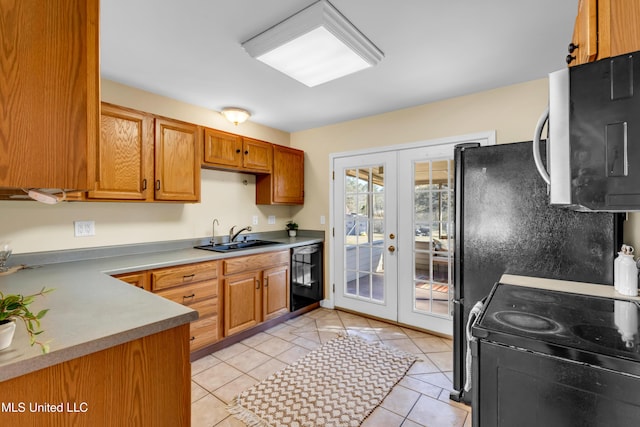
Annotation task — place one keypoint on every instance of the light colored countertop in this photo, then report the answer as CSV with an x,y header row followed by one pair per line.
x,y
604,291
90,311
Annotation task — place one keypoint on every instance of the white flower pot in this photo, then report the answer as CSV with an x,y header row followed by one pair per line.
x,y
6,334
293,233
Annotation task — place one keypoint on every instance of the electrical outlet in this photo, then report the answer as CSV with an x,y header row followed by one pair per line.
x,y
271,219
255,220
84,228
322,220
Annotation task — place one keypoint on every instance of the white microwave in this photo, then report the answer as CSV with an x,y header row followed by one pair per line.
x,y
593,144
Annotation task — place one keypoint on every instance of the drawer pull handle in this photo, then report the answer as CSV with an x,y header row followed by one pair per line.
x,y
192,339
189,276
188,296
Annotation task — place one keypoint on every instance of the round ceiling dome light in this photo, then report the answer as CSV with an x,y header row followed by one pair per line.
x,y
235,115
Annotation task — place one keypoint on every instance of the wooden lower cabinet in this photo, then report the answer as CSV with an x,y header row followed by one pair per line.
x,y
275,292
144,382
230,295
193,285
242,302
256,289
139,279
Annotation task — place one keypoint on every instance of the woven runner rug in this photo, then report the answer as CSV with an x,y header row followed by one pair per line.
x,y
336,385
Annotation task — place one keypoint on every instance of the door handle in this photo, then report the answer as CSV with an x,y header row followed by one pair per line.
x,y
392,249
257,284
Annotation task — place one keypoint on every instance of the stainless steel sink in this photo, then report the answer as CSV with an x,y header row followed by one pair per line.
x,y
236,246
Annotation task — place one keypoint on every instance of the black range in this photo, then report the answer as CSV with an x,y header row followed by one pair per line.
x,y
579,327
551,358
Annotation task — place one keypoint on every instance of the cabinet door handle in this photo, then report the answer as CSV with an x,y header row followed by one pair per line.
x,y
246,152
192,339
238,151
184,297
266,282
257,284
144,184
158,185
189,276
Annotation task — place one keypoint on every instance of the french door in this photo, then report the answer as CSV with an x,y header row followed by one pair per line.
x,y
365,229
393,243
425,238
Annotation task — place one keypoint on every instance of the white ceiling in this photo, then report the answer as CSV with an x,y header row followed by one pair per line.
x,y
434,49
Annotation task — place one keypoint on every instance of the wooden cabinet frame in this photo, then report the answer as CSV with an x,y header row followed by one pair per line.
x,y
256,289
227,151
605,28
50,91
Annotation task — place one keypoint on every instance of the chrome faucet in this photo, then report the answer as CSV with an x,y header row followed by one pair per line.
x,y
232,236
213,231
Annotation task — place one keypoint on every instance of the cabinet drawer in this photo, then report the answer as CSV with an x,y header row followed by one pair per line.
x,y
204,332
207,308
191,294
254,262
182,275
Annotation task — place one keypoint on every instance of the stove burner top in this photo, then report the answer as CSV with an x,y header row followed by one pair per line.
x,y
528,322
529,295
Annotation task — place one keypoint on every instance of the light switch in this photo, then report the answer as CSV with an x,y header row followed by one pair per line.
x,y
84,228
255,220
271,219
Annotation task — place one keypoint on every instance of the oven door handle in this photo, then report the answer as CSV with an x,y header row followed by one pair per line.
x,y
474,315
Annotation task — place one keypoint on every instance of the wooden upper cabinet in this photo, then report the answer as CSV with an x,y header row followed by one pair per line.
x,y
620,19
177,152
140,157
585,34
257,155
285,184
123,164
224,150
604,28
49,92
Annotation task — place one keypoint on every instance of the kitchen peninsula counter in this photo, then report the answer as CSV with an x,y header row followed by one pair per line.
x,y
90,311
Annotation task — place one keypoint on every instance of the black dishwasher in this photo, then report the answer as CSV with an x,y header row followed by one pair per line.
x,y
306,276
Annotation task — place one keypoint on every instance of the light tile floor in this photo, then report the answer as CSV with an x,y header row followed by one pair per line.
x,y
421,398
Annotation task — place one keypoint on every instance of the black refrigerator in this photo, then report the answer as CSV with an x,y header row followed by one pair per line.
x,y
504,224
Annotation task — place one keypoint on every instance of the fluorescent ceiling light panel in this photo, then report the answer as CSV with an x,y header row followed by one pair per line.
x,y
314,46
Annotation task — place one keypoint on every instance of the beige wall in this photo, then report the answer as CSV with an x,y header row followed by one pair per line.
x,y
34,227
511,111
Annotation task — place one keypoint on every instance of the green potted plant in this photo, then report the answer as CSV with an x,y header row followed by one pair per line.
x,y
293,228
16,306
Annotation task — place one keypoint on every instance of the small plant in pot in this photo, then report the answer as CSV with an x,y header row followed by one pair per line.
x,y
14,307
293,228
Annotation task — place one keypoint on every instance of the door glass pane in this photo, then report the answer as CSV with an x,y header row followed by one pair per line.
x,y
364,233
433,249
